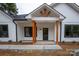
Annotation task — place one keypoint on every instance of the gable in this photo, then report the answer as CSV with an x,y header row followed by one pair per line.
x,y
67,11
4,17
44,11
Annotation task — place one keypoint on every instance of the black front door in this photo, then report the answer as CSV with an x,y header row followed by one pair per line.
x,y
45,33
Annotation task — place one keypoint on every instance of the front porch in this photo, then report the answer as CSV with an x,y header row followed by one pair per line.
x,y
39,30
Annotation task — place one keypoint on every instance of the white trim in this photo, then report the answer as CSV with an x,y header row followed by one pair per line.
x,y
45,19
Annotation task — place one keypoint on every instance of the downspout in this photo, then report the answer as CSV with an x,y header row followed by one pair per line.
x,y
16,31
60,31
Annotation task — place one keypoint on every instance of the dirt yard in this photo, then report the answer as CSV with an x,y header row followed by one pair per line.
x,y
67,49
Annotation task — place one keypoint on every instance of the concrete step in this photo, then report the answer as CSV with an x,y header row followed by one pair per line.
x,y
31,47
26,41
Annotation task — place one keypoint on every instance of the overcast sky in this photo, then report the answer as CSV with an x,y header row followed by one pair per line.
x,y
25,8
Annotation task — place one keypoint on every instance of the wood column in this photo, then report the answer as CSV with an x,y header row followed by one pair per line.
x,y
33,32
57,32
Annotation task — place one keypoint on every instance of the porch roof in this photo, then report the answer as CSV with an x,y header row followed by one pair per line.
x,y
20,17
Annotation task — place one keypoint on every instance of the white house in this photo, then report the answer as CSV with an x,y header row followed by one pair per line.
x,y
57,22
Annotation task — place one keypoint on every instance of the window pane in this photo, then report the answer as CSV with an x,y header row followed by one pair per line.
x,y
71,30
28,31
3,30
67,30
75,31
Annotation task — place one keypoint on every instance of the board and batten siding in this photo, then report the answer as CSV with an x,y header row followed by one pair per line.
x,y
72,17
51,30
20,30
6,20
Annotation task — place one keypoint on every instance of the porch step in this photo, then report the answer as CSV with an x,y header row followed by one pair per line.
x,y
26,42
31,47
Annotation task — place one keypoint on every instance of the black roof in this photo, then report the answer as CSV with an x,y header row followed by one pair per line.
x,y
20,17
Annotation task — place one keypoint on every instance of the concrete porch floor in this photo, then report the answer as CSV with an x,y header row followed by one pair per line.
x,y
40,42
45,43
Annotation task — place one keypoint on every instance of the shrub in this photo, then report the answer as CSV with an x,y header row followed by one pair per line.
x,y
10,41
73,42
20,41
63,42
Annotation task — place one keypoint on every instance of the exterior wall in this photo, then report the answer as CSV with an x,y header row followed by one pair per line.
x,y
72,17
70,14
20,30
5,19
50,26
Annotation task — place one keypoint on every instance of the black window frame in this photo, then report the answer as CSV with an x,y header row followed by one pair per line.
x,y
72,32
4,30
30,29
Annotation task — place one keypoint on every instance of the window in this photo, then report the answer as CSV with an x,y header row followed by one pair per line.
x,y
71,30
3,30
28,31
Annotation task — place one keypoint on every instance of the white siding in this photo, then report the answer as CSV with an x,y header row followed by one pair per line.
x,y
4,19
20,30
70,14
72,17
40,27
